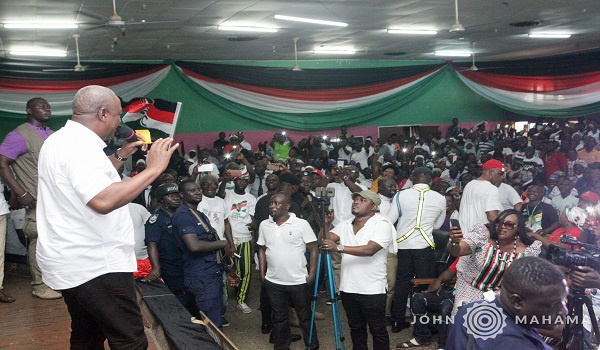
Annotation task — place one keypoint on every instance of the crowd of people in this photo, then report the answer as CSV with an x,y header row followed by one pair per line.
x,y
203,217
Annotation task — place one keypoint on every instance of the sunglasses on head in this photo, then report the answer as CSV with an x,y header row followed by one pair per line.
x,y
507,224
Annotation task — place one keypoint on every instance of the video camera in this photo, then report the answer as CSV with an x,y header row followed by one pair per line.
x,y
570,258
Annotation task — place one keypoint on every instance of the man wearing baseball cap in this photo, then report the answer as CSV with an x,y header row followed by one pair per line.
x,y
480,203
364,241
165,257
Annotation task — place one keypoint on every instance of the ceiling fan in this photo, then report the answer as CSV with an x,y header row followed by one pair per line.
x,y
116,21
296,67
78,67
456,27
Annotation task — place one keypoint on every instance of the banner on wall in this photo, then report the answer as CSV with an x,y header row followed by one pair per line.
x,y
158,115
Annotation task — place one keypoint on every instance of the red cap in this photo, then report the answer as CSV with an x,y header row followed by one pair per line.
x,y
590,197
318,172
494,164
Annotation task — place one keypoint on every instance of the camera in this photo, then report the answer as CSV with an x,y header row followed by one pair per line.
x,y
570,258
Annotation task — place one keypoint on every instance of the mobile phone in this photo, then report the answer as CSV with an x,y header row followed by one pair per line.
x,y
340,164
454,223
205,168
273,166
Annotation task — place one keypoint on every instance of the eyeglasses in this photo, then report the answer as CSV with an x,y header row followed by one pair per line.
x,y
507,224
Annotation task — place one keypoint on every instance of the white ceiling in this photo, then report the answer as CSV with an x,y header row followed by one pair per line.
x,y
194,36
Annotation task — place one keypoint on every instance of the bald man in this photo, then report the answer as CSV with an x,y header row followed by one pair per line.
x,y
86,240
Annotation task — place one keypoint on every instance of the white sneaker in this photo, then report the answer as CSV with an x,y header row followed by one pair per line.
x,y
244,308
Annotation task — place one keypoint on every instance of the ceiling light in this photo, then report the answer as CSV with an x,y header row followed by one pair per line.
x,y
412,31
453,53
335,52
550,35
41,25
38,51
248,29
309,20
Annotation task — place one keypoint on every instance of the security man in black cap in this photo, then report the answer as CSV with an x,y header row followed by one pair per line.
x,y
165,256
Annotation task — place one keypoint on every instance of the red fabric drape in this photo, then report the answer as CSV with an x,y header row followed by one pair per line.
x,y
69,85
315,95
520,83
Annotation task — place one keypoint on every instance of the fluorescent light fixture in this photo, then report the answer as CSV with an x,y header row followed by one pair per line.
x,y
335,52
38,51
41,25
453,53
248,29
412,31
310,20
550,35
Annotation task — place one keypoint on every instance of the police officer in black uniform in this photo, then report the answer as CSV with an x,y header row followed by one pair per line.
x,y
165,256
203,251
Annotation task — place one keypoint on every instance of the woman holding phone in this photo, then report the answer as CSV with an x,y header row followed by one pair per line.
x,y
488,251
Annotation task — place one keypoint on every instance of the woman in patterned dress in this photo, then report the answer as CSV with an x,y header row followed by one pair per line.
x,y
488,251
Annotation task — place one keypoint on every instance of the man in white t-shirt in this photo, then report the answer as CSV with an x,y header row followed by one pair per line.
x,y
480,202
86,246
240,212
509,197
364,241
419,211
282,241
215,208
345,184
360,156
139,216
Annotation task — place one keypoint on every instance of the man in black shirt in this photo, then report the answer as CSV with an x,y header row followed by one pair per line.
x,y
539,217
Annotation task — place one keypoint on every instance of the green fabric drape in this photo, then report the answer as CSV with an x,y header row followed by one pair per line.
x,y
326,120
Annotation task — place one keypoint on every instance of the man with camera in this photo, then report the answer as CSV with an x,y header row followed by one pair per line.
x,y
203,269
364,241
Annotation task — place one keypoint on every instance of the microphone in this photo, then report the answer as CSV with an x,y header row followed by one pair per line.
x,y
126,133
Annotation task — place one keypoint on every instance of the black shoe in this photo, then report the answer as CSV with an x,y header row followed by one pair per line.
x,y
266,328
397,327
293,338
225,322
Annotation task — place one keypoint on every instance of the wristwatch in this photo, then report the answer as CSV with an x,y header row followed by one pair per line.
x,y
340,248
116,154
346,178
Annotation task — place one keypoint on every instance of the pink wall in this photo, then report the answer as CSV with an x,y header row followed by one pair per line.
x,y
256,136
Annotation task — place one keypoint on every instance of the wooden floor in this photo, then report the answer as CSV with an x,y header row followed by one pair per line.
x,y
31,323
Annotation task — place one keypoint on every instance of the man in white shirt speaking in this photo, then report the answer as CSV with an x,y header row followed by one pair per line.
x,y
86,240
364,243
419,211
282,241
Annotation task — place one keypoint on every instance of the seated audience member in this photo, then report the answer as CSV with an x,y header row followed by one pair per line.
x,y
571,221
589,154
487,251
539,217
434,300
566,199
532,290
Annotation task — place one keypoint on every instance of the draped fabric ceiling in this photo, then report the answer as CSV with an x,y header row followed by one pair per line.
x,y
317,99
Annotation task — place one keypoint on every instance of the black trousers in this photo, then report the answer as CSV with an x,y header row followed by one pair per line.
x,y
105,308
281,297
412,263
423,306
266,310
363,310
